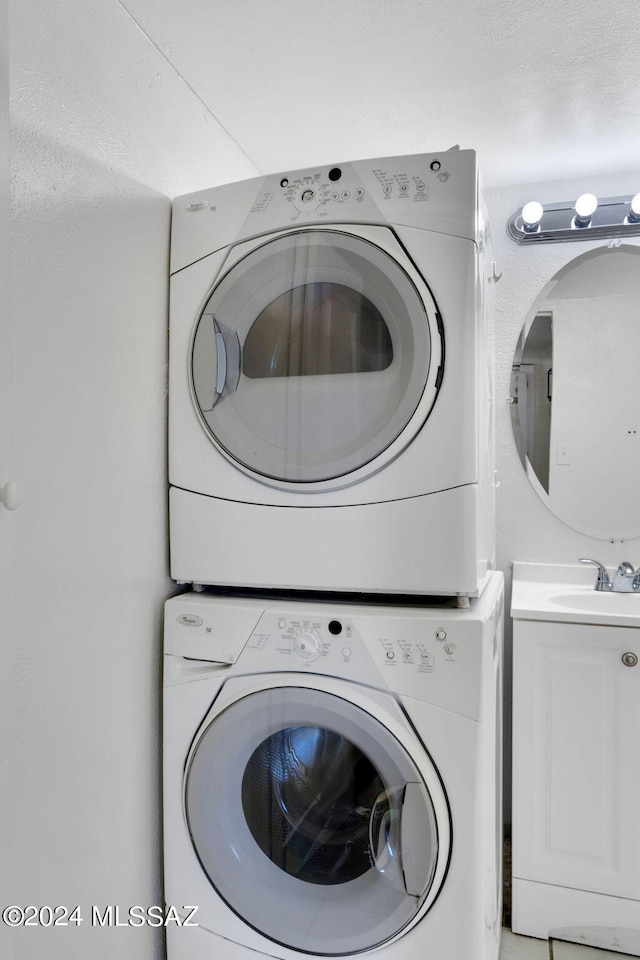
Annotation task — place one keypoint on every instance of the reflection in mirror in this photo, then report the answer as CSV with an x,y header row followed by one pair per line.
x,y
575,393
531,393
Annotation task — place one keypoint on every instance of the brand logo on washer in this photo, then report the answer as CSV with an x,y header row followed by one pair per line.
x,y
197,206
190,620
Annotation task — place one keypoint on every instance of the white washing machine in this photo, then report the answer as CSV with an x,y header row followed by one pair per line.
x,y
332,778
329,387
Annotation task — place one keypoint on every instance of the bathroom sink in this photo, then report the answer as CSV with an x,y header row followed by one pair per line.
x,y
565,592
599,602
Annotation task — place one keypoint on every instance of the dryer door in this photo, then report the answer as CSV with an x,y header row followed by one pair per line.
x,y
313,353
313,822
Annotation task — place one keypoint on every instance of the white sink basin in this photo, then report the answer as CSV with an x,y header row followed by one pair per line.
x,y
565,592
597,602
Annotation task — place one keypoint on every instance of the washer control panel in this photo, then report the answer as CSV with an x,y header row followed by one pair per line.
x,y
434,655
337,642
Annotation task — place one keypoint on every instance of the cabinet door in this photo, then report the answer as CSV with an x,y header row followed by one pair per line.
x,y
576,757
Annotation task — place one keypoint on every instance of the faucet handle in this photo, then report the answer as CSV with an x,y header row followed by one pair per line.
x,y
624,578
602,580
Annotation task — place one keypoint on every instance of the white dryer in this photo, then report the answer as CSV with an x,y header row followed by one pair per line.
x,y
329,387
332,778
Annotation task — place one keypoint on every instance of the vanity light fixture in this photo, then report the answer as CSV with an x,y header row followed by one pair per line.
x,y
586,219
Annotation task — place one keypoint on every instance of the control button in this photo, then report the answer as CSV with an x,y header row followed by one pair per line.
x,y
345,194
435,164
307,196
360,193
450,649
335,627
346,652
404,187
386,189
441,635
420,187
282,623
335,195
406,656
348,629
425,656
390,655
334,174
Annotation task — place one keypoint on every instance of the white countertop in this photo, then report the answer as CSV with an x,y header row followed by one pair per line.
x,y
565,593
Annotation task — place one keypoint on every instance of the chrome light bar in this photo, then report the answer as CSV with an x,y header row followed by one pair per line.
x,y
586,219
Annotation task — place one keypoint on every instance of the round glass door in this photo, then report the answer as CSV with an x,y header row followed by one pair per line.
x,y
313,822
311,356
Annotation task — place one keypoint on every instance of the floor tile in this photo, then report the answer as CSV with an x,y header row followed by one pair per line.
x,y
562,950
515,947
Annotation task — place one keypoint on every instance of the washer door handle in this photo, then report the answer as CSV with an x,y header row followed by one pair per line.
x,y
396,838
384,835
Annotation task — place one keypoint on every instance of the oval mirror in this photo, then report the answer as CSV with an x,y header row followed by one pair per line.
x,y
575,394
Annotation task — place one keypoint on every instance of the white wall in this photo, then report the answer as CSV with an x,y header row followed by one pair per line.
x,y
7,519
527,530
103,130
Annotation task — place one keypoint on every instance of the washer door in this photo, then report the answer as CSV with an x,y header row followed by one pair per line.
x,y
312,354
312,821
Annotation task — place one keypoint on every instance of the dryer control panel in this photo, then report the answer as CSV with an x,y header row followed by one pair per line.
x,y
326,192
434,191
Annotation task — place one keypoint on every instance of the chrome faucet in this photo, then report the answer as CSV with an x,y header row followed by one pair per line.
x,y
626,579
602,580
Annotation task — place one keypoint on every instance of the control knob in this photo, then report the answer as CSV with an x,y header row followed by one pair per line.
x,y
308,196
307,644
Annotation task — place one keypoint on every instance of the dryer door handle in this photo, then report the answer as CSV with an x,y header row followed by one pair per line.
x,y
397,838
221,353
227,360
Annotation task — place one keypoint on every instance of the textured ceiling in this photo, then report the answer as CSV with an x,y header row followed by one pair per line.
x,y
542,90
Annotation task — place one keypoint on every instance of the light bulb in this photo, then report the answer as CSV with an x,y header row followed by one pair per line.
x,y
531,215
634,210
586,206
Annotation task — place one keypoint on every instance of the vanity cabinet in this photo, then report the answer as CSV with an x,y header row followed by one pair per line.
x,y
576,782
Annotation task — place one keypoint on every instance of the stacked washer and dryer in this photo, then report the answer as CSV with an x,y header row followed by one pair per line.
x,y
332,680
